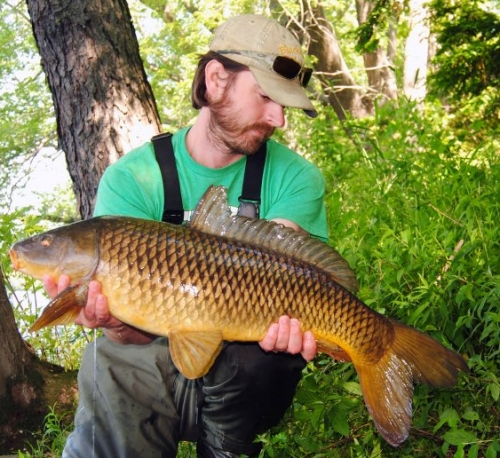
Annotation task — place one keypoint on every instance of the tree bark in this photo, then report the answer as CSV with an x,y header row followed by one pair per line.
x,y
103,102
27,385
104,107
14,353
339,86
381,78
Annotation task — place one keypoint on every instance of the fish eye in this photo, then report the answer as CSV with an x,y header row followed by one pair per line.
x,y
46,240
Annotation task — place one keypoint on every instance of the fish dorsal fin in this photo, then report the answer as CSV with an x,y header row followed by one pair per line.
x,y
213,216
194,353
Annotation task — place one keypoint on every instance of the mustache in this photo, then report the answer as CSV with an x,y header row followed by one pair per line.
x,y
263,127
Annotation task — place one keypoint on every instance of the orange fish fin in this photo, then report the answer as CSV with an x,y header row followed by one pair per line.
x,y
63,309
333,351
193,353
388,384
432,363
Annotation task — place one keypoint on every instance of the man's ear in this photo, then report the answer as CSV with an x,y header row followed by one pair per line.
x,y
215,80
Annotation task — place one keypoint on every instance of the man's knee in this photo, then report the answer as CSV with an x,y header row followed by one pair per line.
x,y
247,392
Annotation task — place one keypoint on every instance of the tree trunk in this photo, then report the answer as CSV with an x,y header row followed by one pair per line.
x,y
16,391
381,78
104,107
27,385
340,88
14,353
103,102
417,51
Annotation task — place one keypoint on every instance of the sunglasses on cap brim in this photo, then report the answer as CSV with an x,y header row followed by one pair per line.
x,y
283,66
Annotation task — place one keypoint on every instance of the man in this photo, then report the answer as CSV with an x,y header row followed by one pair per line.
x,y
133,402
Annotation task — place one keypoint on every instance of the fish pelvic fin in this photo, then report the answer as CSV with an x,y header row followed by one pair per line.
x,y
194,352
333,351
388,384
63,309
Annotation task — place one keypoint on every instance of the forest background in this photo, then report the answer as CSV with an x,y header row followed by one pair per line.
x,y
407,139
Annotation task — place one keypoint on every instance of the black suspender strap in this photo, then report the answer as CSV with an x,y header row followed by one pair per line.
x,y
173,211
252,184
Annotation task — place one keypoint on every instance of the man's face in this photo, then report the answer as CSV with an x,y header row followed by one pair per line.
x,y
244,117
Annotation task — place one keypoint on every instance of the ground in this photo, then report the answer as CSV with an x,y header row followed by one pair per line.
x,y
20,427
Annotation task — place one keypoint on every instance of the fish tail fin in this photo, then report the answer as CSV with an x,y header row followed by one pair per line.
x,y
63,309
388,384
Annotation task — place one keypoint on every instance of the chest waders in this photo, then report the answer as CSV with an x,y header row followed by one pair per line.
x,y
173,212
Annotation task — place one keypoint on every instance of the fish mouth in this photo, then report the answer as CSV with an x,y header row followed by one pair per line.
x,y
14,259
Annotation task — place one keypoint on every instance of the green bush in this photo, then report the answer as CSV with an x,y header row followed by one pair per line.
x,y
415,211
53,438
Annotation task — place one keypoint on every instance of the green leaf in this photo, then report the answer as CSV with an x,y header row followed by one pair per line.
x,y
353,388
306,397
459,437
338,416
493,449
306,443
470,415
494,390
473,451
450,417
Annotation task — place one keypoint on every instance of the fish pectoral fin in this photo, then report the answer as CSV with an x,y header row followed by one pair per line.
x,y
64,308
194,352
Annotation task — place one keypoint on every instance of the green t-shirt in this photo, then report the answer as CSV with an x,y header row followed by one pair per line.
x,y
292,187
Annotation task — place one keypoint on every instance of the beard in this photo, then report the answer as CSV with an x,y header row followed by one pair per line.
x,y
226,130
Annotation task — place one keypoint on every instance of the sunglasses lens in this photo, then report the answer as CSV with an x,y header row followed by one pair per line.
x,y
286,67
290,69
306,76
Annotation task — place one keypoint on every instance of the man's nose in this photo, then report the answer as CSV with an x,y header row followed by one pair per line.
x,y
275,114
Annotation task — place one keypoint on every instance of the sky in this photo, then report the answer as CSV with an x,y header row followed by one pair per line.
x,y
42,176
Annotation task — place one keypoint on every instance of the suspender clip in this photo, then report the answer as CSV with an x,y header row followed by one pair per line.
x,y
249,209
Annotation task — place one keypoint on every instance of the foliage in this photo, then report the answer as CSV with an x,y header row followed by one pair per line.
x,y
467,63
51,443
467,60
369,33
416,215
26,121
413,205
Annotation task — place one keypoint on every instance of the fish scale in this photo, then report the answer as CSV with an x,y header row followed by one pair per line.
x,y
226,277
267,283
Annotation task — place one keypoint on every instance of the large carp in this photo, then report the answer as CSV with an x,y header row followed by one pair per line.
x,y
225,277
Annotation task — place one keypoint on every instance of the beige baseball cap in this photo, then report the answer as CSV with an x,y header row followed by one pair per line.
x,y
272,54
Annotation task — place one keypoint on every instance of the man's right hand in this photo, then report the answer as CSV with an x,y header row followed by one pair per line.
x,y
95,314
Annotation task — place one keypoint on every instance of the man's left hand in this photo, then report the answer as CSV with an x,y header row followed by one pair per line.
x,y
286,336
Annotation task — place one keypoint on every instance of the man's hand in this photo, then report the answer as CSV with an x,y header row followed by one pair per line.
x,y
95,314
286,336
